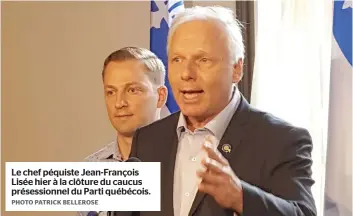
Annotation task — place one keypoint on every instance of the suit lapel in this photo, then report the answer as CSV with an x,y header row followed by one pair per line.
x,y
168,169
232,137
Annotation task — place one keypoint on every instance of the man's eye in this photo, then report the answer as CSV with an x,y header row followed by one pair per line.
x,y
204,60
109,93
176,60
133,90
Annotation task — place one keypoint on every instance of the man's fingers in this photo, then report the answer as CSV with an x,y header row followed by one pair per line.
x,y
210,178
213,166
208,188
214,154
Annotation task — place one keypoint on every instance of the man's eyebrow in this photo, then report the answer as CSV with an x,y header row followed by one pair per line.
x,y
200,51
176,54
109,86
125,85
133,83
197,53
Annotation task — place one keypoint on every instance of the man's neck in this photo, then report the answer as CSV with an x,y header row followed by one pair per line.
x,y
194,123
124,146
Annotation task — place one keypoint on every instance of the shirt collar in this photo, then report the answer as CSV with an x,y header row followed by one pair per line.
x,y
115,152
218,124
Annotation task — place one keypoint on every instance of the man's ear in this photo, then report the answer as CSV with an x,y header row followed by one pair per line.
x,y
162,96
238,71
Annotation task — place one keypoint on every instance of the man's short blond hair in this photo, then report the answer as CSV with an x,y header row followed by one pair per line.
x,y
156,69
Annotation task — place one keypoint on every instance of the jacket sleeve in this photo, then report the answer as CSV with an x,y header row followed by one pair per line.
x,y
289,182
133,153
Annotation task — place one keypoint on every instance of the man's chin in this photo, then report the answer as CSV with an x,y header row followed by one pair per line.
x,y
125,132
193,111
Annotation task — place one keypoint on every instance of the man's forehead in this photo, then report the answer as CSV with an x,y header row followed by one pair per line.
x,y
200,48
125,84
127,72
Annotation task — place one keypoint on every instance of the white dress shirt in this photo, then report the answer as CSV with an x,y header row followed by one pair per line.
x,y
189,154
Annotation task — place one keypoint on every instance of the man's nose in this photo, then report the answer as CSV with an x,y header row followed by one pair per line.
x,y
120,101
189,72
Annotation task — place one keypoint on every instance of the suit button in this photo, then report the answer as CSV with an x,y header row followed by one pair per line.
x,y
187,194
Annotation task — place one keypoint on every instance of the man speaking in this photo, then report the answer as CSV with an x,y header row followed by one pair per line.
x,y
220,156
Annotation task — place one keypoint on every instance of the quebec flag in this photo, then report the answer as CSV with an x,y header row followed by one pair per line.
x,y
162,14
338,187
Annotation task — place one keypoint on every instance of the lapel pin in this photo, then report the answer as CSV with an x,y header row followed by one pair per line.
x,y
226,148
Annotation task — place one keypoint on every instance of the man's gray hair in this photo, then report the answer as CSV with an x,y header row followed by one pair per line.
x,y
156,69
220,14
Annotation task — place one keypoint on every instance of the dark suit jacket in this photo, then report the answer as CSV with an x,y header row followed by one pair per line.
x,y
271,157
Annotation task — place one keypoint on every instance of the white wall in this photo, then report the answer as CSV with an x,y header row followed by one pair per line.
x,y
52,96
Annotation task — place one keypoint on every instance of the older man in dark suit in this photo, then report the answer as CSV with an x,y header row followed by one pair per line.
x,y
220,156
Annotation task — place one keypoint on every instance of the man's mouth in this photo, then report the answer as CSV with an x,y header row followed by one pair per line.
x,y
191,94
123,115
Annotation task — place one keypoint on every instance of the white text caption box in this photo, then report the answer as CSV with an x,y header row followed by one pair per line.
x,y
134,186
